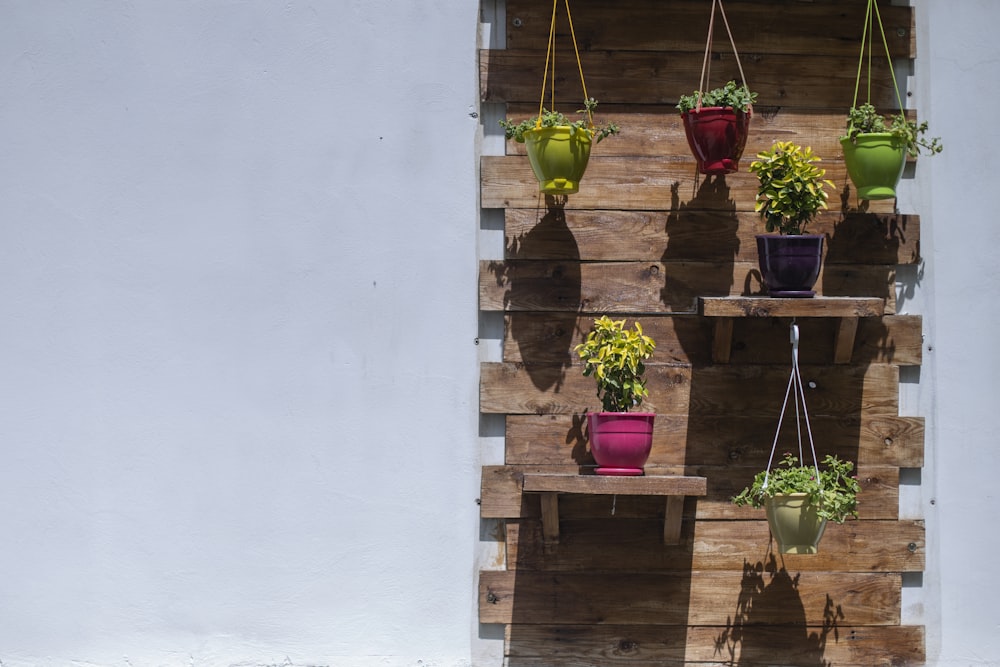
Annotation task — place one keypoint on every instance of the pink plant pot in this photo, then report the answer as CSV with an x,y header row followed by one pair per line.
x,y
620,441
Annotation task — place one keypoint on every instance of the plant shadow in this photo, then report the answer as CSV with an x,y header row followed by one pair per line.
x,y
767,592
544,267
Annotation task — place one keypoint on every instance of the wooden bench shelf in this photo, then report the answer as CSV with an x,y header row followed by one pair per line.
x,y
674,487
847,309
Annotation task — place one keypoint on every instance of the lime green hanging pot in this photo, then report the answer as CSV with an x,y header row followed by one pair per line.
x,y
558,156
875,163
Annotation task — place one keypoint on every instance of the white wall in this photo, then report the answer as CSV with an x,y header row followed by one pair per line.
x,y
956,74
238,378
238,416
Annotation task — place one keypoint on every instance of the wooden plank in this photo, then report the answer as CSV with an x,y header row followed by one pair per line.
x,y
672,520
681,233
651,287
550,338
649,77
550,516
680,25
692,598
882,440
642,485
502,496
714,390
644,184
834,643
650,130
722,342
843,343
820,306
632,545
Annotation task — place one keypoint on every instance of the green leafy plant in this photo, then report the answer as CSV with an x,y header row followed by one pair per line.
x,y
614,356
516,131
790,190
865,119
834,494
731,95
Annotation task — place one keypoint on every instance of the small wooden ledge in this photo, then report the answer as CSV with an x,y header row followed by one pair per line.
x,y
847,309
674,487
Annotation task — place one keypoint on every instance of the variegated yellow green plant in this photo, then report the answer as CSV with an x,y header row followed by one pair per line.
x,y
615,357
790,191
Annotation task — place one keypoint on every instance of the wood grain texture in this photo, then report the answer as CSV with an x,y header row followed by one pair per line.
x,y
714,390
551,337
698,235
501,494
736,643
882,440
651,287
647,183
682,25
645,238
633,545
691,598
804,81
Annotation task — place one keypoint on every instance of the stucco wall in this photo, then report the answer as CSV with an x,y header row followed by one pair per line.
x,y
238,249
237,332
955,193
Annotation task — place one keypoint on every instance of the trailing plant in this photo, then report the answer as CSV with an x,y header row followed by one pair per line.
x,y
614,356
834,494
790,190
733,95
516,131
865,119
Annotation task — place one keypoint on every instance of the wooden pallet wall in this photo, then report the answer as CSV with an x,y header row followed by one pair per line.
x,y
644,238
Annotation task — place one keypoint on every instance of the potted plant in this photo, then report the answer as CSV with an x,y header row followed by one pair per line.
x,y
790,193
615,357
875,149
716,123
558,148
800,499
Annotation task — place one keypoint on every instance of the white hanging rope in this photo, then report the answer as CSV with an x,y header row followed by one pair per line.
x,y
794,385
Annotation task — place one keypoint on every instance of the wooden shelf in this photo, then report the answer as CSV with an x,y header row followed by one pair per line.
x,y
847,309
674,487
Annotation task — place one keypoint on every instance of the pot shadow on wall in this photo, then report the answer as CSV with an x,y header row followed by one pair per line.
x,y
699,260
543,296
768,593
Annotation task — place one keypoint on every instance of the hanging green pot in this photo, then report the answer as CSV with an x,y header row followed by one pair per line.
x,y
558,156
794,522
875,163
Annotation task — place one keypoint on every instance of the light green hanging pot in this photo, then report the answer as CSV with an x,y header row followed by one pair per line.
x,y
875,163
558,156
794,522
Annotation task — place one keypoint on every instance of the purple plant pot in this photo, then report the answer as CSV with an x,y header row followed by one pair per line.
x,y
789,265
716,136
620,441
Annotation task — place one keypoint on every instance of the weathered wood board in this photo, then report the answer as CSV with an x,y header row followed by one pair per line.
x,y
645,239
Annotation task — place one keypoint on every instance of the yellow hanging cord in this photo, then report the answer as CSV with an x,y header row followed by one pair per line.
x,y
549,57
550,61
579,66
871,15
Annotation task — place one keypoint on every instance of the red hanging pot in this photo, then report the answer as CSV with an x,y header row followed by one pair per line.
x,y
717,136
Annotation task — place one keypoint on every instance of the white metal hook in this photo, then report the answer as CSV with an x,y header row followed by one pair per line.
x,y
793,336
